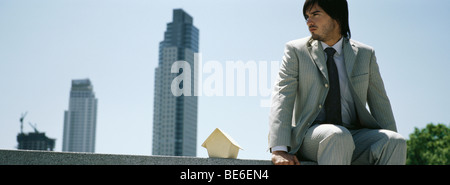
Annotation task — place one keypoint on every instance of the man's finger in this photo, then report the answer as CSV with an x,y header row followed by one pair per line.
x,y
291,162
296,160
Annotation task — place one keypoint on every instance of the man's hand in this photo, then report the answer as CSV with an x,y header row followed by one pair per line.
x,y
283,158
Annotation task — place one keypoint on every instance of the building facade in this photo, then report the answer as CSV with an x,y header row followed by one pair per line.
x,y
80,120
35,141
175,117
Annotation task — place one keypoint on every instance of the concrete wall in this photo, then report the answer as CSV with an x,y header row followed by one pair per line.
x,y
31,157
28,157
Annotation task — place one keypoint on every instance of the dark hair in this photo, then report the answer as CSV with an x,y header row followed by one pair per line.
x,y
336,9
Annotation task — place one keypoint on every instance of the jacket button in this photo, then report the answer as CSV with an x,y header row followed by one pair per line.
x,y
320,106
326,85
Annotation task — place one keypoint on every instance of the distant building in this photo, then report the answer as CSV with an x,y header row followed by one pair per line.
x,y
80,120
175,118
35,141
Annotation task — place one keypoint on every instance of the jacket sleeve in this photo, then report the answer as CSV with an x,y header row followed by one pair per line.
x,y
377,99
283,98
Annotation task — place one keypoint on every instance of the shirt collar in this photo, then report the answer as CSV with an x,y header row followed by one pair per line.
x,y
337,46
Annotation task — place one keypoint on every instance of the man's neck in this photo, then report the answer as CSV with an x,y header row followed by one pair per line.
x,y
333,39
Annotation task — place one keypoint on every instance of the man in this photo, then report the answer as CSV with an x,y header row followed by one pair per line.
x,y
318,108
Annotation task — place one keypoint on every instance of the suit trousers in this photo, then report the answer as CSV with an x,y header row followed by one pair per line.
x,y
329,144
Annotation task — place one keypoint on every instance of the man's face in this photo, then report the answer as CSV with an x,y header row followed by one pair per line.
x,y
321,25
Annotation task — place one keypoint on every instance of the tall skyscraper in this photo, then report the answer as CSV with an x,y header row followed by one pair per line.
x,y
81,119
175,118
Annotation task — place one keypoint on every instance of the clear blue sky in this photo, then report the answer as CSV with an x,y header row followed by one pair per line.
x,y
45,44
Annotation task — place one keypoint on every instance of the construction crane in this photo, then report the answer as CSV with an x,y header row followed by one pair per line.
x,y
21,121
34,127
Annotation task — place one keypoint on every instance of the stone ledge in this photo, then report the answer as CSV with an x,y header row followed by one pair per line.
x,y
32,157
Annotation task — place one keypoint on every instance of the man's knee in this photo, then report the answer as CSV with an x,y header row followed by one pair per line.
x,y
400,142
341,136
394,149
395,139
336,147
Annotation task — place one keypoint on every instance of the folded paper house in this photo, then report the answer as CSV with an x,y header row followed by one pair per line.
x,y
221,145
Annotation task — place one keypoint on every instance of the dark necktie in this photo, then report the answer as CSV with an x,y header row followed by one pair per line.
x,y
333,100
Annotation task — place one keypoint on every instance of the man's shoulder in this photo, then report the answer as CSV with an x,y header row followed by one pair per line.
x,y
360,45
299,43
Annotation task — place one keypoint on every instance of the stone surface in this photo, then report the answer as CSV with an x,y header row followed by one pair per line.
x,y
31,157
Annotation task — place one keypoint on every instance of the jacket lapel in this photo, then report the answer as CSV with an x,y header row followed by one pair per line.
x,y
350,51
317,54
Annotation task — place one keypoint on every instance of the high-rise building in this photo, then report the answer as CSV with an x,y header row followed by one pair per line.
x,y
80,119
35,141
175,117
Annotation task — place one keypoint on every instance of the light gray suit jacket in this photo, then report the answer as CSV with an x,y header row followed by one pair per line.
x,y
300,91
